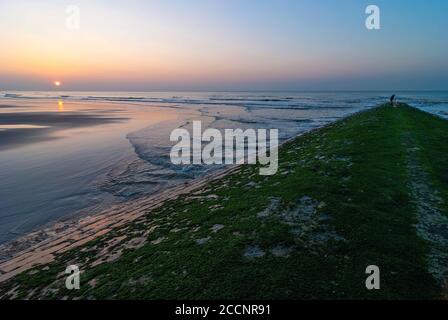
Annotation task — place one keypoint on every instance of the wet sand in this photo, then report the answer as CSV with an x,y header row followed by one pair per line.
x,y
41,247
19,129
56,159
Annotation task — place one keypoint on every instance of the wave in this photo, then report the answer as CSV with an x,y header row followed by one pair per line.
x,y
280,101
12,95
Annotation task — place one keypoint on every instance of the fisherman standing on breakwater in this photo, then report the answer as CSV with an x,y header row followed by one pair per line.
x,y
392,100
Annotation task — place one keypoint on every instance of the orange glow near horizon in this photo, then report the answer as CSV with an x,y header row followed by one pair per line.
x,y
94,54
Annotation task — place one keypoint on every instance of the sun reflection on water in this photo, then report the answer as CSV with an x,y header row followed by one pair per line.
x,y
61,106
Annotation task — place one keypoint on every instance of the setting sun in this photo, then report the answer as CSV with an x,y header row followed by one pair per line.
x,y
57,83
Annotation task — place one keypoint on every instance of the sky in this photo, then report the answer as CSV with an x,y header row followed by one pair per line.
x,y
156,45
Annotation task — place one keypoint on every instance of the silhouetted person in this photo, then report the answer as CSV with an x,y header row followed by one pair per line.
x,y
392,99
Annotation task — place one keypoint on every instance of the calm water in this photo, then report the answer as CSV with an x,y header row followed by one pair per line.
x,y
66,153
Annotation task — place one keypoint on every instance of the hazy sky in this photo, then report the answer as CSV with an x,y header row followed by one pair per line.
x,y
223,45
